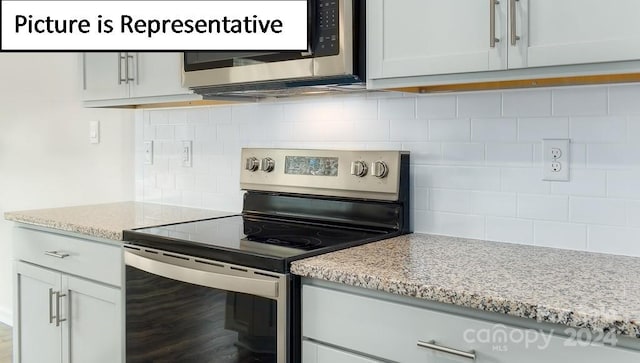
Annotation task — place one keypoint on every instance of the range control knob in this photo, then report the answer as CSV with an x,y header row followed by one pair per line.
x,y
267,164
379,169
359,168
252,164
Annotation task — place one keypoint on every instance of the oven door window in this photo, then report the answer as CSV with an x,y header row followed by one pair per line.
x,y
174,321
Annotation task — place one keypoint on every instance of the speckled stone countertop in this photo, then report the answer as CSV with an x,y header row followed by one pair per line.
x,y
109,220
578,289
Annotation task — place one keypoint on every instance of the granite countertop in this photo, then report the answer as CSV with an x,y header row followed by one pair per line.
x,y
578,289
109,220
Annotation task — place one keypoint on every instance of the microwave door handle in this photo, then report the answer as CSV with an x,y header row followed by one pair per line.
x,y
264,288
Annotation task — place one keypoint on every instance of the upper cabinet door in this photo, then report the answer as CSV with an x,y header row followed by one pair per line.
x,y
158,74
428,37
562,32
105,75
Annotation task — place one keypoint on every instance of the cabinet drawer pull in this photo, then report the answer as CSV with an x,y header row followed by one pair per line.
x,y
56,254
492,23
461,353
512,18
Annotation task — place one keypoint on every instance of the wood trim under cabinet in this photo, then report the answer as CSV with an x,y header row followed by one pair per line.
x,y
525,83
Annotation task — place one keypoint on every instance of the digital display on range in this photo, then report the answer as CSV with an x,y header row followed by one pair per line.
x,y
311,165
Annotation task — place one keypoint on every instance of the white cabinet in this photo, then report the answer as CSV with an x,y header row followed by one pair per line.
x,y
128,78
460,41
368,329
564,32
68,301
421,37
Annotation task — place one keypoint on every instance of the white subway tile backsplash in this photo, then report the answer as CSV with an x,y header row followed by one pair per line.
x,y
494,130
475,157
633,213
483,104
360,109
449,130
538,128
615,240
178,116
526,103
409,130
380,130
420,198
397,108
582,182
604,129
184,132
524,180
436,106
543,207
164,132
220,114
465,178
493,204
560,235
623,184
424,152
580,101
613,156
463,154
509,230
158,117
449,200
461,225
517,155
623,99
633,129
198,115
598,211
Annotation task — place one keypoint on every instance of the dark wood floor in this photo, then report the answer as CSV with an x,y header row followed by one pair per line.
x,y
5,344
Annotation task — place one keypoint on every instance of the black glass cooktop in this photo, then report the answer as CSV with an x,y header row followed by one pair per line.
x,y
263,243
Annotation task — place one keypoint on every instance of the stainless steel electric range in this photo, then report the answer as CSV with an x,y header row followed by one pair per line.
x,y
219,290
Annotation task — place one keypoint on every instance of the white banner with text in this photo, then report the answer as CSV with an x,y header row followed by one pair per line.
x,y
154,25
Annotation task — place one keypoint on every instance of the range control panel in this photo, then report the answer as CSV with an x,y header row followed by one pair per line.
x,y
340,173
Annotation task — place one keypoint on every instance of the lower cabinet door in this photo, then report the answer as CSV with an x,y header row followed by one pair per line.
x,y
38,337
316,353
94,331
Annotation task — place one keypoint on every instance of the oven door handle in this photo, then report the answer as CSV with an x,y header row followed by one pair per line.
x,y
259,287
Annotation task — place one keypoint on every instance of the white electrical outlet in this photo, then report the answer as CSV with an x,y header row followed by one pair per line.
x,y
555,159
148,152
187,153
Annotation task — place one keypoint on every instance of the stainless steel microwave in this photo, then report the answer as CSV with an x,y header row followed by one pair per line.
x,y
335,58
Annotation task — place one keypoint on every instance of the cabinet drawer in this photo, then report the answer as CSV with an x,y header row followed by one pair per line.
x,y
86,258
391,331
313,352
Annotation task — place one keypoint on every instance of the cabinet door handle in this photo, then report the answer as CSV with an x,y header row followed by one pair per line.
x,y
126,67
120,79
512,17
56,254
59,296
492,23
51,317
433,346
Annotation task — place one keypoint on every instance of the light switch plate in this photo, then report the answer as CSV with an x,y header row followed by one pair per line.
x,y
148,152
94,132
187,153
555,159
